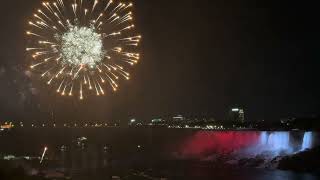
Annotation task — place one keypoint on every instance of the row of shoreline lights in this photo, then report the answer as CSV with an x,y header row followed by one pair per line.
x,y
11,125
114,125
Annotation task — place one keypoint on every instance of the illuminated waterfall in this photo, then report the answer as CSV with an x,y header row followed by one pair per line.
x,y
275,142
263,138
279,141
307,141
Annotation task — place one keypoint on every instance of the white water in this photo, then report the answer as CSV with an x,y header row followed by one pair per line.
x,y
275,141
307,141
279,141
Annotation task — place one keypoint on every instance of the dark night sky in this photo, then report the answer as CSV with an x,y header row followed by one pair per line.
x,y
200,57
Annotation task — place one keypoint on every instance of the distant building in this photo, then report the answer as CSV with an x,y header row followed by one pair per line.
x,y
159,121
132,122
7,125
178,118
236,114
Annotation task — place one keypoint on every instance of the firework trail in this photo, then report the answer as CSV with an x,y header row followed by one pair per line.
x,y
43,154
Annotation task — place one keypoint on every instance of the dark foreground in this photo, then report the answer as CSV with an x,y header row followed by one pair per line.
x,y
170,170
101,154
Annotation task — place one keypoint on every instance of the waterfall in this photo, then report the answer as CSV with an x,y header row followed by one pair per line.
x,y
263,138
307,141
279,141
274,142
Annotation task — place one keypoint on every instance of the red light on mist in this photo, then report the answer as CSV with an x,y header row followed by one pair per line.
x,y
209,142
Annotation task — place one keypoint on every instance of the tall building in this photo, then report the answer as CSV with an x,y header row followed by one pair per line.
x,y
236,114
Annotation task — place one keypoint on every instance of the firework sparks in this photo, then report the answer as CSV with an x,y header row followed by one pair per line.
x,y
83,44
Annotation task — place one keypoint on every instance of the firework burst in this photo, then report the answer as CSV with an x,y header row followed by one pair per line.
x,y
83,45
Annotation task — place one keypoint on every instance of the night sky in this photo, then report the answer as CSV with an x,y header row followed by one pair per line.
x,y
199,58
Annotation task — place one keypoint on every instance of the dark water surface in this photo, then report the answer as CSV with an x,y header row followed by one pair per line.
x,y
223,174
